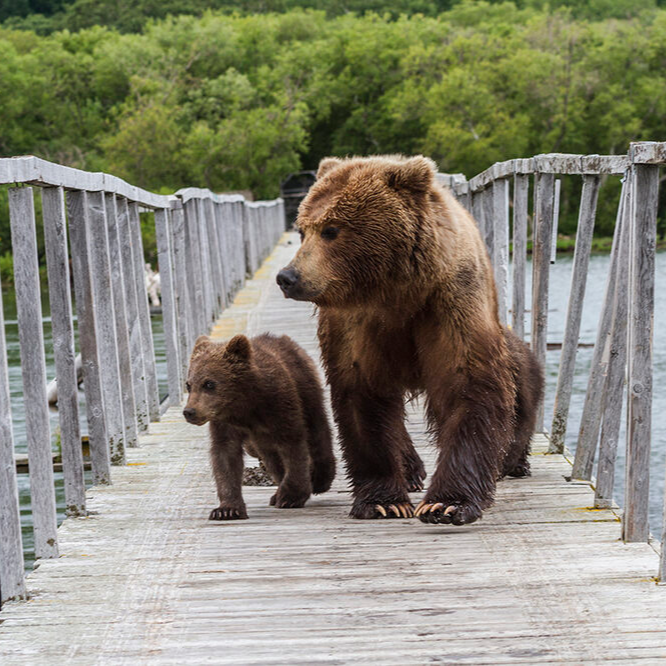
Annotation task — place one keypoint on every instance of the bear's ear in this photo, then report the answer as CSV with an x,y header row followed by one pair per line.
x,y
415,174
238,348
326,165
202,343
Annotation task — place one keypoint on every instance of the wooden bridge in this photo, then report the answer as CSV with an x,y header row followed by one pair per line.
x,y
555,572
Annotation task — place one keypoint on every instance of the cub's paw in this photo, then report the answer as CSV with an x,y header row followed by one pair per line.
x,y
447,512
288,500
229,513
415,472
520,470
370,510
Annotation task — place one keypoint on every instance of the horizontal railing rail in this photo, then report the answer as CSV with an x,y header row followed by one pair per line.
x,y
623,350
207,245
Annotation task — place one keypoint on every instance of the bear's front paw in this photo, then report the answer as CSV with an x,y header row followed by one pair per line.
x,y
369,510
447,512
289,500
520,470
224,512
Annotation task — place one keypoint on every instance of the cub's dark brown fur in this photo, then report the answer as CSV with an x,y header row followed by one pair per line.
x,y
262,395
408,306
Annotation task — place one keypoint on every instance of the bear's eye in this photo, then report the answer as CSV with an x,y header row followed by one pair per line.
x,y
208,386
188,387
330,233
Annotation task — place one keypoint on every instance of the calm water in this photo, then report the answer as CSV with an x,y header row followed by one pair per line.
x,y
559,289
18,411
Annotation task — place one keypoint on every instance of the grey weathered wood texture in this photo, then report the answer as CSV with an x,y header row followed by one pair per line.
x,y
77,210
615,372
165,259
122,326
500,193
556,219
12,584
541,269
590,422
137,360
586,216
144,313
521,185
33,369
105,324
62,331
645,179
541,579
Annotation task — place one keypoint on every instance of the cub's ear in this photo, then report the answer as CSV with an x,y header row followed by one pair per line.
x,y
202,343
415,174
326,165
238,348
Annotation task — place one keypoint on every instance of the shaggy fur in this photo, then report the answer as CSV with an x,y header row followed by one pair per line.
x,y
408,306
262,395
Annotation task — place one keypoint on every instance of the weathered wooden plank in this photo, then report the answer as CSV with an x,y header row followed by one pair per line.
x,y
521,185
194,269
477,212
169,314
586,217
139,381
100,263
12,583
588,434
223,228
500,193
215,256
122,326
33,369
540,270
615,372
183,302
206,265
144,313
77,212
62,331
645,179
489,221
556,219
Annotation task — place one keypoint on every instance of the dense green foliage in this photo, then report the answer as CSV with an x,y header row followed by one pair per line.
x,y
238,101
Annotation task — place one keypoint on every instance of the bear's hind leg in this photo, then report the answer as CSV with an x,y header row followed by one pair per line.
x,y
369,428
414,469
296,487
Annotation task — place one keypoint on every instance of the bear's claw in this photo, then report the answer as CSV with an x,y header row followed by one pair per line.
x,y
228,513
456,514
369,511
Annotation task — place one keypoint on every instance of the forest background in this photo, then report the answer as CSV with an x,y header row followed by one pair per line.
x,y
235,96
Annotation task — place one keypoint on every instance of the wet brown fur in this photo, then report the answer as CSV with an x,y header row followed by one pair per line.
x,y
408,306
261,395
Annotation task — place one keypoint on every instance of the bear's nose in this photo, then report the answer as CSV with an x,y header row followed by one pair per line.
x,y
287,279
189,413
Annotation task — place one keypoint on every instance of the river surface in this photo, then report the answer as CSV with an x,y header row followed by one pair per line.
x,y
560,279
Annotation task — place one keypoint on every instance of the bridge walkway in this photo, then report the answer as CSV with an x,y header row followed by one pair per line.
x,y
146,578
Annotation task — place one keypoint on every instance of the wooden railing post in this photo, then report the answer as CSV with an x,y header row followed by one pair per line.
x,y
139,380
33,369
62,330
12,582
521,185
121,322
169,314
590,422
100,457
194,269
645,179
500,194
100,264
588,207
144,313
215,256
540,271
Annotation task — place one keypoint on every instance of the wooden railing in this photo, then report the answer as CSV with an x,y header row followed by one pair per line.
x,y
207,245
623,349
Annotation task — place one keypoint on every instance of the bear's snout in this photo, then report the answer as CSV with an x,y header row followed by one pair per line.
x,y
287,280
191,415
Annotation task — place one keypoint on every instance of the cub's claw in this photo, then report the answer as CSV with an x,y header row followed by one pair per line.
x,y
369,511
228,513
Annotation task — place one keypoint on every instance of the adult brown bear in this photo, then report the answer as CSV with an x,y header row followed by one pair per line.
x,y
407,305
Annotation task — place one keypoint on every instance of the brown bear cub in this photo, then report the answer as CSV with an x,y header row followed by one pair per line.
x,y
261,395
407,306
